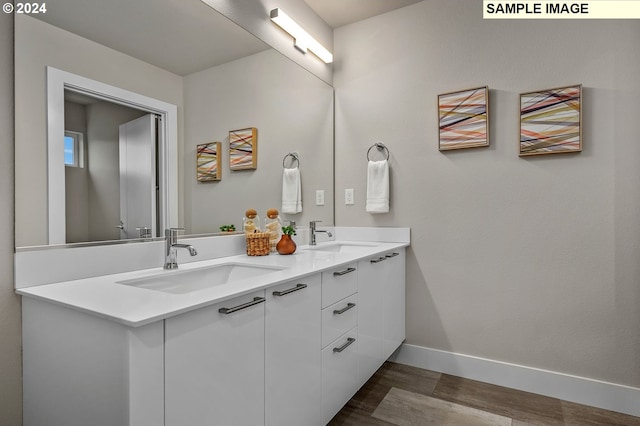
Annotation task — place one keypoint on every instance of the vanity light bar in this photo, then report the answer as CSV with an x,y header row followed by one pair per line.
x,y
302,40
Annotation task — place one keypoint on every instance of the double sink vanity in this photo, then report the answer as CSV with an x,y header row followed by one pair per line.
x,y
268,340
112,338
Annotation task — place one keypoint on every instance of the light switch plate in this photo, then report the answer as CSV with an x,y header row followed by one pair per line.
x,y
320,197
348,197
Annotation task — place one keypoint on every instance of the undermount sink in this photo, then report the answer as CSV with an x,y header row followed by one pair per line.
x,y
181,282
340,247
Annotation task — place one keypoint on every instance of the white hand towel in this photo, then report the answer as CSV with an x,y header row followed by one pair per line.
x,y
291,191
378,187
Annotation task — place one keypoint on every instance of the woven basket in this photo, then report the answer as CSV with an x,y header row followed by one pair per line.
x,y
258,244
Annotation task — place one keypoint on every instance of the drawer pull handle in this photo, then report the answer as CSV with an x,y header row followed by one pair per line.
x,y
380,259
349,341
255,301
291,290
346,271
393,254
345,309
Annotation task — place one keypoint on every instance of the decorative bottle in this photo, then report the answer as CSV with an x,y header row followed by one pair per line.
x,y
273,225
251,222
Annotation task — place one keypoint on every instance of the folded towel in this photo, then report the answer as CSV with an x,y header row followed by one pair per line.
x,y
378,187
291,191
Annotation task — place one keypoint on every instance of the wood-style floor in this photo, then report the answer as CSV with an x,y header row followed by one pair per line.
x,y
401,395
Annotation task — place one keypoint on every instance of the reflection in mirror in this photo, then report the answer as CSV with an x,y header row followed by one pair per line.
x,y
127,171
110,173
92,167
220,78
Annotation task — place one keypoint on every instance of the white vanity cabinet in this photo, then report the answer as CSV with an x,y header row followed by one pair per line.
x,y
381,311
214,364
292,353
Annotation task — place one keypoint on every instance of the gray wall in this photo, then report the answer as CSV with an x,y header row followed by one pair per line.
x,y
10,329
531,261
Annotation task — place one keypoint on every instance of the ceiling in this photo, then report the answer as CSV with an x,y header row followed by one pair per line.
x,y
337,13
185,36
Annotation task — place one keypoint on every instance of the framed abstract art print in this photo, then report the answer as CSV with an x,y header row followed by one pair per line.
x,y
463,119
551,121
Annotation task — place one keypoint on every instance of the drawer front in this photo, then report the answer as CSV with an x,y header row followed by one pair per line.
x,y
339,318
339,373
338,284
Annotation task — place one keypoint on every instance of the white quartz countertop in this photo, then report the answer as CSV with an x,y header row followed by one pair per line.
x,y
106,297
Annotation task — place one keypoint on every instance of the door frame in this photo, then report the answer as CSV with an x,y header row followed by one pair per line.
x,y
57,82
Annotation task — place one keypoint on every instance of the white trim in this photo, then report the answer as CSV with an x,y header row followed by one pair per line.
x,y
582,390
57,81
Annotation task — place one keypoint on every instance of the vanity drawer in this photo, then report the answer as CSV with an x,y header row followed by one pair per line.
x,y
339,373
338,284
339,318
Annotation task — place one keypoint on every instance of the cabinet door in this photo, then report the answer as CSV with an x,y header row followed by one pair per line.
x,y
214,364
292,353
395,305
372,277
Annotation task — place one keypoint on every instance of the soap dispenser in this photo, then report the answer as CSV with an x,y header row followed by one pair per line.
x,y
273,225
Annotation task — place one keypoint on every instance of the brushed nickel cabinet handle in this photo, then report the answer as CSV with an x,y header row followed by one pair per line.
x,y
378,260
349,341
346,271
345,309
255,301
393,255
291,290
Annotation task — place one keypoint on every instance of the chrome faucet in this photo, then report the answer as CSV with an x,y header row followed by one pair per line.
x,y
314,231
171,246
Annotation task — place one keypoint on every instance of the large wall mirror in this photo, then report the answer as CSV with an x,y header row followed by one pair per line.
x,y
219,78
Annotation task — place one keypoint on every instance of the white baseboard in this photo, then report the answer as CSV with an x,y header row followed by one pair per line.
x,y
609,396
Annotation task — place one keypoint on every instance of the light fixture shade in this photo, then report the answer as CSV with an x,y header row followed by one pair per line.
x,y
302,40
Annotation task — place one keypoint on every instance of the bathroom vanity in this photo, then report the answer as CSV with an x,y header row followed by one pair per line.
x,y
273,340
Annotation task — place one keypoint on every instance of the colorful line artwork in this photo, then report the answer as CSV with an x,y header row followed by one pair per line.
x,y
550,121
243,149
207,164
463,119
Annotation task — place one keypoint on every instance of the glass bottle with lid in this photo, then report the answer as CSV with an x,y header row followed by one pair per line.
x,y
251,222
273,225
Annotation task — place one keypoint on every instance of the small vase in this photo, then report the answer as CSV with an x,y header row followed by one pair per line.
x,y
286,245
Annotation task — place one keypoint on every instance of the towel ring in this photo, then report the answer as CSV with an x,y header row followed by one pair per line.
x,y
294,156
380,147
